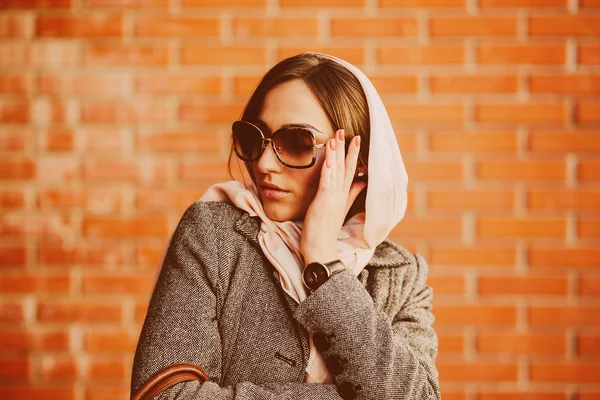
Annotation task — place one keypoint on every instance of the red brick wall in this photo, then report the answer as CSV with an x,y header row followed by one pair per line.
x,y
114,117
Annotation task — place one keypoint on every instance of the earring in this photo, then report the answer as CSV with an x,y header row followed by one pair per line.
x,y
360,173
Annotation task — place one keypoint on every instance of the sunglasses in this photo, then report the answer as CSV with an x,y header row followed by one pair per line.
x,y
294,147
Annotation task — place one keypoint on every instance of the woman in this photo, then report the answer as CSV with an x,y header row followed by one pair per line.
x,y
259,284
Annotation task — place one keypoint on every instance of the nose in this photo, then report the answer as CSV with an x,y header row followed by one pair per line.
x,y
268,161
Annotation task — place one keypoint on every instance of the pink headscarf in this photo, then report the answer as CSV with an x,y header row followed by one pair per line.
x,y
385,206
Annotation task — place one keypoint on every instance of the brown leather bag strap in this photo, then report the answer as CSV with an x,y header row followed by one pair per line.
x,y
167,377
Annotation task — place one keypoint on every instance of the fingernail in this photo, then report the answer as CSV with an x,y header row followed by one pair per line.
x,y
327,163
358,141
341,134
332,144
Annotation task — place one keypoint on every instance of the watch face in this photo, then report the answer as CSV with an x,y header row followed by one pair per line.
x,y
315,274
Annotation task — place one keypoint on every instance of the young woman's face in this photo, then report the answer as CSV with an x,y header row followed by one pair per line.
x,y
287,192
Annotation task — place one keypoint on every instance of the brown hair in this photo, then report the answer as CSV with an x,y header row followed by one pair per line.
x,y
338,91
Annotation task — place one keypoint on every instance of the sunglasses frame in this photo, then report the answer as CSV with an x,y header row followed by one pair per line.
x,y
265,143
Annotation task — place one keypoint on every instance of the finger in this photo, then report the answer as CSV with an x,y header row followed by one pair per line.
x,y
351,162
330,155
324,181
355,190
339,157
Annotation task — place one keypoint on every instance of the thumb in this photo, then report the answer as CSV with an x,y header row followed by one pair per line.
x,y
355,190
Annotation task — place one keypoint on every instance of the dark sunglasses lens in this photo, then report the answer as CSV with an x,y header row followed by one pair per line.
x,y
247,141
294,146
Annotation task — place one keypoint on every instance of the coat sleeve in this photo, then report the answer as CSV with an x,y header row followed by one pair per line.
x,y
181,323
375,356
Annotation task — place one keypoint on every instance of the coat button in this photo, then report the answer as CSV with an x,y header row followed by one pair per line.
x,y
347,391
322,342
334,365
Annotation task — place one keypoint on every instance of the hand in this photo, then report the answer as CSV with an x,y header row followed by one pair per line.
x,y
335,195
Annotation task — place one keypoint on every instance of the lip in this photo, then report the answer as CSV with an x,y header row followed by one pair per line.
x,y
273,191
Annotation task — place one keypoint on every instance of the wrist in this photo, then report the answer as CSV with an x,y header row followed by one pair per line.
x,y
320,257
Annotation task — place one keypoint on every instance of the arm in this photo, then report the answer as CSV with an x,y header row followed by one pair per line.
x,y
181,324
386,359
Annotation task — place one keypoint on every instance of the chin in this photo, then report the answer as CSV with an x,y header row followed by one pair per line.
x,y
279,213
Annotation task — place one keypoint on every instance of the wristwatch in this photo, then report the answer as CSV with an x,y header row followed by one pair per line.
x,y
315,274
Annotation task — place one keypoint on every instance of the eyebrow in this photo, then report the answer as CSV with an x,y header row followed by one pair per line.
x,y
294,125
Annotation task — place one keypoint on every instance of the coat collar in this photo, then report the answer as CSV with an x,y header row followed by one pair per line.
x,y
387,255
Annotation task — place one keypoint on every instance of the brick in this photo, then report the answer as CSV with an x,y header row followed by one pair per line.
x,y
14,368
428,227
447,284
421,55
192,111
349,27
101,391
245,85
186,27
150,255
103,367
354,55
322,3
521,396
588,227
563,25
522,285
564,257
14,111
587,112
564,141
521,228
124,284
66,311
39,54
432,171
11,312
521,344
420,4
57,169
178,84
563,315
474,84
104,141
476,315
125,111
535,54
472,26
223,55
477,372
84,84
584,199
180,141
125,227
34,283
580,372
30,391
571,84
125,55
275,27
14,138
58,368
588,171
521,170
21,169
13,255
476,256
588,345
195,170
407,141
588,54
109,254
426,113
56,139
473,141
36,340
12,199
522,3
589,396
589,4
224,3
137,4
166,199
12,83
395,84
520,113
451,343
589,285
13,26
140,311
141,171
471,199
44,4
109,341
85,27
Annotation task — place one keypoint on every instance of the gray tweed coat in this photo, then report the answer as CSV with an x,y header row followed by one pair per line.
x,y
218,304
